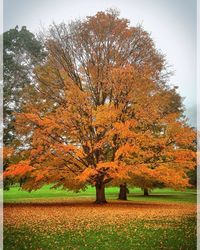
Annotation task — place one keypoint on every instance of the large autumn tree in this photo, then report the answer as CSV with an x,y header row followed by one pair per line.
x,y
101,110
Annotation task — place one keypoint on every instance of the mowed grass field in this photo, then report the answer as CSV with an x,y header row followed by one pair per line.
x,y
58,219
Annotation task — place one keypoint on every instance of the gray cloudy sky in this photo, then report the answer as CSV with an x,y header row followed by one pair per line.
x,y
172,24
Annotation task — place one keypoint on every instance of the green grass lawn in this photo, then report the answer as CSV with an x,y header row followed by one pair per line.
x,y
137,235
162,195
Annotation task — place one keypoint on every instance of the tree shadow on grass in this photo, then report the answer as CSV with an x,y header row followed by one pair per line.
x,y
161,195
90,203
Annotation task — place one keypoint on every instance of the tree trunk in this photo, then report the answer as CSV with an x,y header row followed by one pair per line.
x,y
123,192
100,194
146,192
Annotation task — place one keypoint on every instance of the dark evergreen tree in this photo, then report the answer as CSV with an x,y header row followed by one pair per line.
x,y
21,52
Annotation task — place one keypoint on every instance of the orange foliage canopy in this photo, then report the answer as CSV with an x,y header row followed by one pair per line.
x,y
101,111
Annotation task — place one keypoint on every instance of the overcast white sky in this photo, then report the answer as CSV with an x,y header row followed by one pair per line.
x,y
172,24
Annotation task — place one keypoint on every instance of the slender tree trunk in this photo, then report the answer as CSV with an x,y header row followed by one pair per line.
x,y
21,181
123,192
100,194
146,192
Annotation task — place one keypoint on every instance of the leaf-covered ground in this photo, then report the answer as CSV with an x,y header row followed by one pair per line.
x,y
80,224
71,215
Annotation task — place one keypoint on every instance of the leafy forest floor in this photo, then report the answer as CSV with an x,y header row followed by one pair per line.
x,y
57,219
